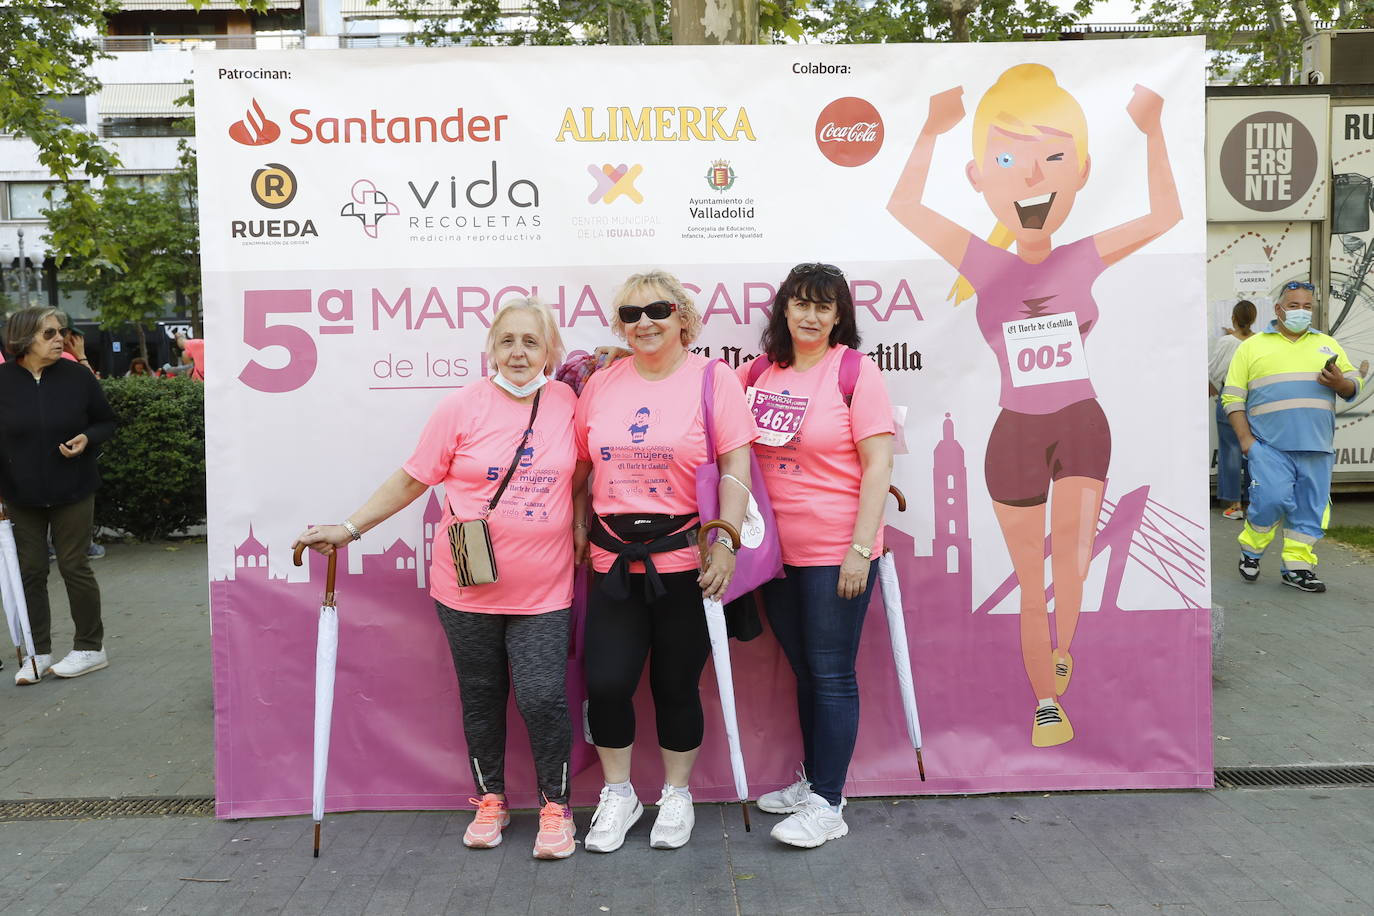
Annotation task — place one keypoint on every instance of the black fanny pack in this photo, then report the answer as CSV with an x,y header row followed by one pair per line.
x,y
633,538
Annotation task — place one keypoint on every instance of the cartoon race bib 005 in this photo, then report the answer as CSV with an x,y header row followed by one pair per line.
x,y
778,417
1044,350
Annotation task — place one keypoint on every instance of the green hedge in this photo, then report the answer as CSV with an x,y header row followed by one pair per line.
x,y
153,470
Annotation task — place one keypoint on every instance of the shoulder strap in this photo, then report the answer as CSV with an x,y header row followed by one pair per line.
x,y
757,368
708,398
515,462
850,361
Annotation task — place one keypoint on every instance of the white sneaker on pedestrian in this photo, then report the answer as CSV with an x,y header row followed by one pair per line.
x,y
676,818
81,661
813,824
615,815
25,673
788,800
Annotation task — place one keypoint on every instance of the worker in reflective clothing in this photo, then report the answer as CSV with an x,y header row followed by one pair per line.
x,y
1280,398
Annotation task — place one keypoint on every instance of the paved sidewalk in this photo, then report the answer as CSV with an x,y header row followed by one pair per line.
x,y
1294,683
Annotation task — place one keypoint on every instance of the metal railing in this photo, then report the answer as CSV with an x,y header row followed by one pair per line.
x,y
275,41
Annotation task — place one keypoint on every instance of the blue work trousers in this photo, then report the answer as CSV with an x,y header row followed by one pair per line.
x,y
819,632
1230,461
1295,487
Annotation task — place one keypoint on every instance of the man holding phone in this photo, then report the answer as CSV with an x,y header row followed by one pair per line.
x,y
1280,398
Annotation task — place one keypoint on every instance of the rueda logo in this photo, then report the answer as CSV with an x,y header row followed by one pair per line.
x,y
274,186
255,129
614,182
849,131
368,206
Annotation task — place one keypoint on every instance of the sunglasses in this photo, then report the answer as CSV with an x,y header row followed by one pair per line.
x,y
828,269
629,314
1298,284
50,333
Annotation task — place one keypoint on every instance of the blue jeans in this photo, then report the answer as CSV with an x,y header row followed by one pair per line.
x,y
819,632
1230,461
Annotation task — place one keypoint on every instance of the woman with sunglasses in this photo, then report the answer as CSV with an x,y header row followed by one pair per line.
x,y
825,447
639,427
53,419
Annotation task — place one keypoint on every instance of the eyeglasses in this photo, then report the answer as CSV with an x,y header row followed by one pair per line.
x,y
1298,284
50,333
629,314
817,268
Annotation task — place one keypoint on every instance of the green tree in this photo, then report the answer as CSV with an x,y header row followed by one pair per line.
x,y
1255,41
46,51
156,228
865,21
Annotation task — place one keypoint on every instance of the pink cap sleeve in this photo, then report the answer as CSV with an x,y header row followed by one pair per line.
x,y
870,412
734,422
433,454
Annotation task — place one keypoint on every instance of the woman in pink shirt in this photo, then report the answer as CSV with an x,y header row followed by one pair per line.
x,y
1035,310
640,429
825,448
516,628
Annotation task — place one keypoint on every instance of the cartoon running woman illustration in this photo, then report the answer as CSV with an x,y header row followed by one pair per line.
x,y
1035,308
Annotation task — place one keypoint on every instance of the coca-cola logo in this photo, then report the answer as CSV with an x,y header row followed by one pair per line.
x,y
849,131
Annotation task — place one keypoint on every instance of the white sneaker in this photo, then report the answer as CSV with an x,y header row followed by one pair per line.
x,y
676,817
25,673
812,825
788,800
615,815
81,661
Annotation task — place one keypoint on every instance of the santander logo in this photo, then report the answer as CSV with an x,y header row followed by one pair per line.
x,y
255,129
849,131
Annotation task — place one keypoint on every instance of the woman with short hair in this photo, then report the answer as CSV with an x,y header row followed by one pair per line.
x,y
513,630
641,427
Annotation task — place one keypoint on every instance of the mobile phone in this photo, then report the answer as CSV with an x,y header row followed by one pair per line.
x,y
1329,363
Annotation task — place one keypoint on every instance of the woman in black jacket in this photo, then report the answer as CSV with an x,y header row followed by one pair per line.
x,y
53,418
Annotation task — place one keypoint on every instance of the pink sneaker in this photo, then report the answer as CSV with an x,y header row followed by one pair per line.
x,y
492,817
556,832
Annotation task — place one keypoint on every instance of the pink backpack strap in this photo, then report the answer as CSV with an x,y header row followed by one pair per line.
x,y
849,373
757,368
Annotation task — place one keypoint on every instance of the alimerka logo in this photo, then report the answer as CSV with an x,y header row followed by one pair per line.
x,y
849,131
598,125
613,182
255,129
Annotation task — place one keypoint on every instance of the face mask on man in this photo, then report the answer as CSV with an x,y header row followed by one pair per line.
x,y
1297,320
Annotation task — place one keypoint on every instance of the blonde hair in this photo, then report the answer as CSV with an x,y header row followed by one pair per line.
x,y
671,288
1025,99
548,329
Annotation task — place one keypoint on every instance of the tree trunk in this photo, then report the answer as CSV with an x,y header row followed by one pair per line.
x,y
715,22
143,345
1304,18
1278,44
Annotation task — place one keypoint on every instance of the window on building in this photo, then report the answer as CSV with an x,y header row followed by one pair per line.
x,y
28,200
145,127
72,107
148,181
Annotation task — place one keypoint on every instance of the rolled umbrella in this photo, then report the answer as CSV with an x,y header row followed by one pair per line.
x,y
12,593
725,683
901,654
326,657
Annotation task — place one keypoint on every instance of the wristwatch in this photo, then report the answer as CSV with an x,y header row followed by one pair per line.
x,y
865,552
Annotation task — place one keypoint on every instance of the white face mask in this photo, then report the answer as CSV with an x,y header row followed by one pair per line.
x,y
1297,320
520,391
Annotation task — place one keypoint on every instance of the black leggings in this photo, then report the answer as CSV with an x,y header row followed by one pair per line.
x,y
620,635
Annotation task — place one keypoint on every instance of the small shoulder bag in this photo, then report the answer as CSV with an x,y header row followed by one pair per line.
x,y
474,560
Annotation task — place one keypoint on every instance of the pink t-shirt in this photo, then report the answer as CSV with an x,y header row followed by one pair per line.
x,y
195,348
813,479
1036,318
645,441
467,445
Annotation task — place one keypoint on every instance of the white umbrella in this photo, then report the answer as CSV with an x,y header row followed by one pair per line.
x,y
12,593
725,682
326,656
901,655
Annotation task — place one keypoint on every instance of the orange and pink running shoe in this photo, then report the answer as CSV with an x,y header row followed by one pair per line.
x,y
556,832
492,817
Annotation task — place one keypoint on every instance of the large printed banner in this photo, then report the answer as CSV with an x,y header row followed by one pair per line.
x,y
364,214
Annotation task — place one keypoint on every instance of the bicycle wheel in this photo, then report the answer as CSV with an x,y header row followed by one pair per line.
x,y
1353,328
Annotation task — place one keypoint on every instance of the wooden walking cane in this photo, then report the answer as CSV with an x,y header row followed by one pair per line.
x,y
702,547
328,603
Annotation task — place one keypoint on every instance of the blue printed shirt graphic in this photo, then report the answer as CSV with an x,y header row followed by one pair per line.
x,y
1274,380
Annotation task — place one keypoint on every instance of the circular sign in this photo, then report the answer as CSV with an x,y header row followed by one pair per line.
x,y
849,131
1268,161
274,186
